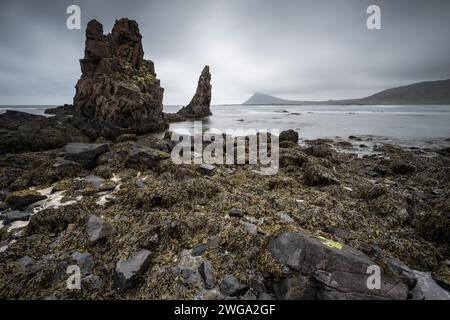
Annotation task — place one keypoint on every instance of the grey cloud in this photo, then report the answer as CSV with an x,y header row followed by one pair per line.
x,y
311,49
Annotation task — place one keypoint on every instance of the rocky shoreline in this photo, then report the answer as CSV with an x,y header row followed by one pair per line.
x,y
141,227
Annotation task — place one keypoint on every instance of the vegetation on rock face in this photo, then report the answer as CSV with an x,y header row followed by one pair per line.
x,y
117,61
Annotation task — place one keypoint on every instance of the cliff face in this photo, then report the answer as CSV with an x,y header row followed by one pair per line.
x,y
117,85
199,107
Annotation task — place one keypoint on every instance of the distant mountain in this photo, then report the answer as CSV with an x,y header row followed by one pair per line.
x,y
261,98
430,92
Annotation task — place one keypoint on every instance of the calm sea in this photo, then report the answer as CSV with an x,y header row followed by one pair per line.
x,y
408,125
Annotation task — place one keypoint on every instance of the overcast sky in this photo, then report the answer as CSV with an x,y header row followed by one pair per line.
x,y
293,49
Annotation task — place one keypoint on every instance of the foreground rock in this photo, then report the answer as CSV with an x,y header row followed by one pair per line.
x,y
21,131
117,85
22,199
127,270
230,286
97,229
427,289
289,135
85,153
318,268
13,216
317,175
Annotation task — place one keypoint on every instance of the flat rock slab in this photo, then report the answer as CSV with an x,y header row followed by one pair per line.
x,y
319,268
142,157
12,216
22,199
85,153
127,270
427,289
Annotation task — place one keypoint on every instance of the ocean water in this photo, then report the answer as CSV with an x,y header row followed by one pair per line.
x,y
413,125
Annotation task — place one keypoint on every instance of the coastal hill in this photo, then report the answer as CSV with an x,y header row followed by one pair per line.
x,y
430,92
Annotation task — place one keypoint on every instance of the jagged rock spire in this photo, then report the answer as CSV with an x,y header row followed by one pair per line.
x,y
117,85
199,106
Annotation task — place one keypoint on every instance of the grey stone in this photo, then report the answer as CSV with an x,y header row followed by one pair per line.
x,y
235,212
207,272
84,261
206,169
230,286
12,216
199,249
85,153
128,270
66,167
94,180
405,274
427,289
26,263
285,217
250,228
324,269
97,229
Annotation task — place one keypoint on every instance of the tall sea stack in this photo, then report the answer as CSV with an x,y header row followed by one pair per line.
x,y
199,107
117,85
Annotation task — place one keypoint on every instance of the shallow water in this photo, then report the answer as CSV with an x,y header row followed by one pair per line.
x,y
409,125
405,125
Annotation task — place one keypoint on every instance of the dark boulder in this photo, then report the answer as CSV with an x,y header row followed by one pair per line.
x,y
98,229
206,270
85,153
22,199
317,175
318,268
230,286
84,261
289,135
128,270
142,157
12,216
22,132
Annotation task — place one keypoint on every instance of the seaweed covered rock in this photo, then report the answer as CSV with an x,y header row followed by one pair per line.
x,y
22,199
85,153
317,175
117,85
21,132
318,268
289,135
200,103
